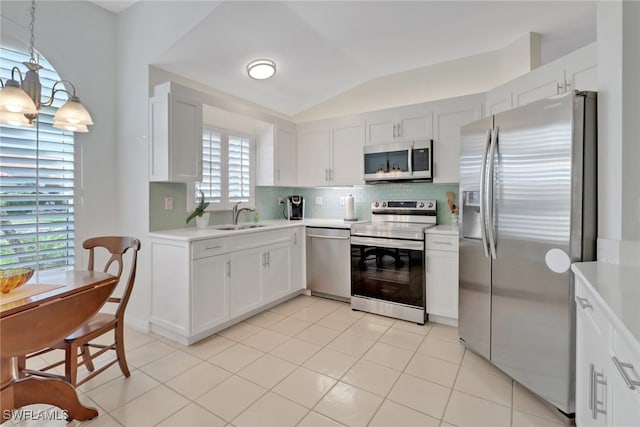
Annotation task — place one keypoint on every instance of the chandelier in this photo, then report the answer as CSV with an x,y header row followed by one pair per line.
x,y
20,100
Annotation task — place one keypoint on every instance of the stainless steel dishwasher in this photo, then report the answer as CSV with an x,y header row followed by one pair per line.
x,y
329,262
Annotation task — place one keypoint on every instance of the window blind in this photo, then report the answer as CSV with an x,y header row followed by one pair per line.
x,y
36,184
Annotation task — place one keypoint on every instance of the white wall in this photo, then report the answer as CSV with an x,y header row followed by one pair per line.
x,y
619,131
144,31
78,39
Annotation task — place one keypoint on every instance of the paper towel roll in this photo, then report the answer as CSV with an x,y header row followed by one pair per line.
x,y
351,215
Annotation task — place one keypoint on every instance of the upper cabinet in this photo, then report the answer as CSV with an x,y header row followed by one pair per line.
x,y
330,152
276,156
576,71
398,124
175,134
448,117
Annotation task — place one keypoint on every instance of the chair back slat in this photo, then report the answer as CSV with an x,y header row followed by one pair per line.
x,y
117,246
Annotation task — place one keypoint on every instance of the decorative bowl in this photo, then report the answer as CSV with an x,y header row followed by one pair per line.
x,y
12,278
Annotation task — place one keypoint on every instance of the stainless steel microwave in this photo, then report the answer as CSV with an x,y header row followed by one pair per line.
x,y
400,161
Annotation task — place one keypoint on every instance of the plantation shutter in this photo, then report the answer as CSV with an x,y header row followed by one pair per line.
x,y
36,184
211,184
239,169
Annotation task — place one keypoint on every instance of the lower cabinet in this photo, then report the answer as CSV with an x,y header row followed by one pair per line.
x,y
441,276
607,366
203,286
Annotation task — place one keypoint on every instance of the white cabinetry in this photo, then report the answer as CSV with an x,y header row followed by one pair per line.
x,y
276,156
607,359
175,134
330,152
448,117
441,267
203,286
575,71
399,124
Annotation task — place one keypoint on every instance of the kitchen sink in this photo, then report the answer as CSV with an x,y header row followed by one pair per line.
x,y
239,227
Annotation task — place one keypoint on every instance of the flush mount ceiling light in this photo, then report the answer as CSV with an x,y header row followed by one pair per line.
x,y
20,101
261,69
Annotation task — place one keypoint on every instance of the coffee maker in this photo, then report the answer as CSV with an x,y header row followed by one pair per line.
x,y
295,207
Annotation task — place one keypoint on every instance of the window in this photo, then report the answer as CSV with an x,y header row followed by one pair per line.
x,y
227,173
36,184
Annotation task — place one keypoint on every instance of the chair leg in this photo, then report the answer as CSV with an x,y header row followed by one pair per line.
x,y
71,364
122,360
86,357
21,366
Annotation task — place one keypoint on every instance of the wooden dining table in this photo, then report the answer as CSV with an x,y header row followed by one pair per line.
x,y
66,299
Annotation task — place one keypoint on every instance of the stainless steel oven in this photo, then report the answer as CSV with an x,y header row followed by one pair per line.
x,y
387,259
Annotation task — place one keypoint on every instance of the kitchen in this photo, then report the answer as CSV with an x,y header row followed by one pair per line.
x,y
130,191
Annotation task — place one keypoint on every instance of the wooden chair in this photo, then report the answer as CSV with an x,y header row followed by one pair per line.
x,y
78,344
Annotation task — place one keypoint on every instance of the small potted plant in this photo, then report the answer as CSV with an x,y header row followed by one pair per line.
x,y
202,217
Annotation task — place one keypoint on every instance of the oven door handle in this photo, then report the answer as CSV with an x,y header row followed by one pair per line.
x,y
388,243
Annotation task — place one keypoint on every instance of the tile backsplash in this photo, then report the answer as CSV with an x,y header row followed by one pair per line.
x,y
320,202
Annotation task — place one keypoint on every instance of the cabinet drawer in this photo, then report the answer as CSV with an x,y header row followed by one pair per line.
x,y
593,311
439,242
206,248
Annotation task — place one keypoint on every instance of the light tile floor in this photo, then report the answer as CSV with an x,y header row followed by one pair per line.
x,y
309,362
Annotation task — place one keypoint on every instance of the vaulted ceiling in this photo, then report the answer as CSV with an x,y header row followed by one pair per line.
x,y
323,48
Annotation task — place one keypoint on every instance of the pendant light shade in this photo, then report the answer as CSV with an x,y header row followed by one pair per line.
x,y
261,69
73,113
15,100
15,119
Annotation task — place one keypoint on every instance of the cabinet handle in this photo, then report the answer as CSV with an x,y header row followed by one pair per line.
x,y
399,130
559,88
228,268
268,259
264,259
326,174
210,248
426,264
632,384
597,406
330,174
440,242
394,130
567,85
584,302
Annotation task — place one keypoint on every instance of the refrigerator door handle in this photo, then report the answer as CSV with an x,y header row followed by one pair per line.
x,y
483,189
490,187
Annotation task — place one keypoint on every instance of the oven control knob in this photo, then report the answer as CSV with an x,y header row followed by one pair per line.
x,y
384,204
430,205
376,204
421,205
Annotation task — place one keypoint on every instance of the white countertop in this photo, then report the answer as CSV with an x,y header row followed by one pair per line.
x,y
443,229
189,234
618,286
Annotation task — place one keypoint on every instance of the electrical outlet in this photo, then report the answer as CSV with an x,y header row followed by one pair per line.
x,y
341,200
319,201
168,203
280,200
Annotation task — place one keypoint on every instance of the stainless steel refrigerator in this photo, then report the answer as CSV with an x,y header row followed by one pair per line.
x,y
528,189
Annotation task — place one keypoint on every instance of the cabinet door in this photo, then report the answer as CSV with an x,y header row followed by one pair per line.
x,y
415,123
175,132
498,100
276,275
446,145
442,283
346,150
209,297
625,401
538,84
313,158
380,127
285,157
592,340
581,70
245,277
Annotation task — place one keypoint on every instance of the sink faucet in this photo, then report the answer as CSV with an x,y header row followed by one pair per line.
x,y
235,212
